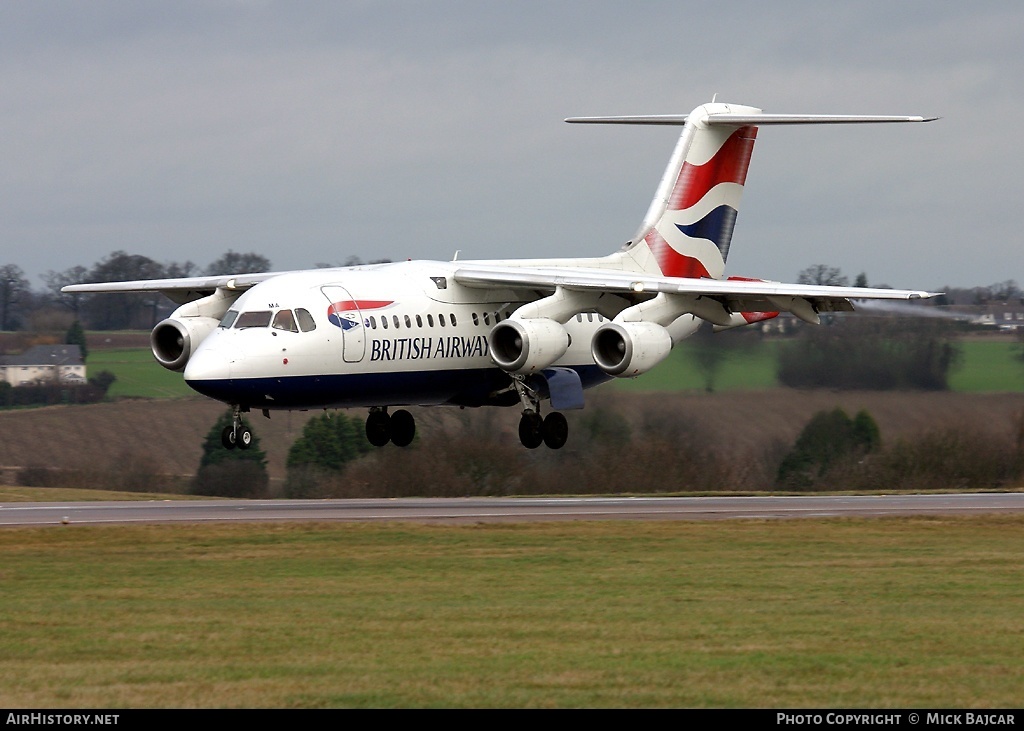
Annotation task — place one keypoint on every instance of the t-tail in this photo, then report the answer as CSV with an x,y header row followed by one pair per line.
x,y
688,228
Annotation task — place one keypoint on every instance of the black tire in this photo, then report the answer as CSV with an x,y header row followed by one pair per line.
x,y
403,428
378,428
227,437
531,430
555,430
244,437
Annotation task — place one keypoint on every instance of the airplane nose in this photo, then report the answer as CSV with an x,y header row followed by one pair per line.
x,y
206,364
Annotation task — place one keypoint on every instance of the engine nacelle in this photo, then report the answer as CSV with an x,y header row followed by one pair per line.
x,y
175,339
527,346
627,349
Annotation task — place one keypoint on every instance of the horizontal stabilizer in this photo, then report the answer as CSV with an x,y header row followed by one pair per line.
x,y
755,119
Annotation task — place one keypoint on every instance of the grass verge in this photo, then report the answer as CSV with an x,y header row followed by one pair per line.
x,y
17,494
138,374
920,612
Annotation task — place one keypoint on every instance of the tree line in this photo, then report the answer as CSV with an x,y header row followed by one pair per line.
x,y
23,307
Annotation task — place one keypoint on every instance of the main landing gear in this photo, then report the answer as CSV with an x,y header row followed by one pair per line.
x,y
237,434
398,428
551,430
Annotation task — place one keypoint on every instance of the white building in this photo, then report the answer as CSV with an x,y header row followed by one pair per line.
x,y
43,364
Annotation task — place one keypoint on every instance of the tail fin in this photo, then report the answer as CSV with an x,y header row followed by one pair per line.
x,y
688,228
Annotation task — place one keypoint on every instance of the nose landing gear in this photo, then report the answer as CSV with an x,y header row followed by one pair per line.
x,y
237,434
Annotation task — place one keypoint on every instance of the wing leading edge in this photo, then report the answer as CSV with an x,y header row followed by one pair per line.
x,y
735,295
181,290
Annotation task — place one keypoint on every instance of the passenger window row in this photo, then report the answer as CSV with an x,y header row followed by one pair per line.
x,y
407,321
300,320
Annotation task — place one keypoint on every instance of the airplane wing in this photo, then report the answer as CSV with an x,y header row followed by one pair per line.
x,y
182,290
735,295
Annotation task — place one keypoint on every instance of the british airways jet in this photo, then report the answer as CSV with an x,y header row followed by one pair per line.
x,y
528,333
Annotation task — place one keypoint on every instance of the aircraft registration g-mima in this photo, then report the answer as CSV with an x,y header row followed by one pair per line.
x,y
516,332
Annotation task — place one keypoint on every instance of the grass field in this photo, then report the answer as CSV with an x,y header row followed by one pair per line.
x,y
749,368
860,613
138,374
987,366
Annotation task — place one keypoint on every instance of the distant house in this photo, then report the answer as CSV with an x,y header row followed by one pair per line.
x,y
1002,315
44,364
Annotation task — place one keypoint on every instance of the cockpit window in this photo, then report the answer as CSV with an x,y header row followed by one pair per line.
x,y
306,321
285,320
260,318
229,317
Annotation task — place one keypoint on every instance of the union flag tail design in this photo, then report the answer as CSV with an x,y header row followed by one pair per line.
x,y
688,229
691,237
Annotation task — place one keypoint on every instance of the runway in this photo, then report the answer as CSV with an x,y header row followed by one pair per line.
x,y
479,510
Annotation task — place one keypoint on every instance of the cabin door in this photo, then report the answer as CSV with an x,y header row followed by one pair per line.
x,y
343,312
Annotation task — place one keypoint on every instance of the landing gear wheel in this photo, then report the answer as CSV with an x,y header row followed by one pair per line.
x,y
555,430
243,438
403,428
531,428
227,437
378,428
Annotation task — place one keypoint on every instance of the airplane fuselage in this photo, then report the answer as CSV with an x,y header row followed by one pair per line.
x,y
398,334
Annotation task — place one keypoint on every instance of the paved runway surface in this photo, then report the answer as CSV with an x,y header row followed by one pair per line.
x,y
475,510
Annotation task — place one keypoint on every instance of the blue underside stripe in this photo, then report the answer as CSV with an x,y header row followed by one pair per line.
x,y
474,387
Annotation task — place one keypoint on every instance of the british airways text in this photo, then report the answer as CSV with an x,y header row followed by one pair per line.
x,y
419,348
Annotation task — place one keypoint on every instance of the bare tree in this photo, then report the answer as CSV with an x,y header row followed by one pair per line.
x,y
14,291
235,263
55,281
175,270
822,274
123,310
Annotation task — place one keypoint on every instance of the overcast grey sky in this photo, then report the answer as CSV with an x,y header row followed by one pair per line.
x,y
315,131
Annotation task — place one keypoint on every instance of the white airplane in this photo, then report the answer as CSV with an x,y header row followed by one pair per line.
x,y
500,332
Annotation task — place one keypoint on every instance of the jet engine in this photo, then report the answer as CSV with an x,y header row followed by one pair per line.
x,y
627,349
175,339
527,346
